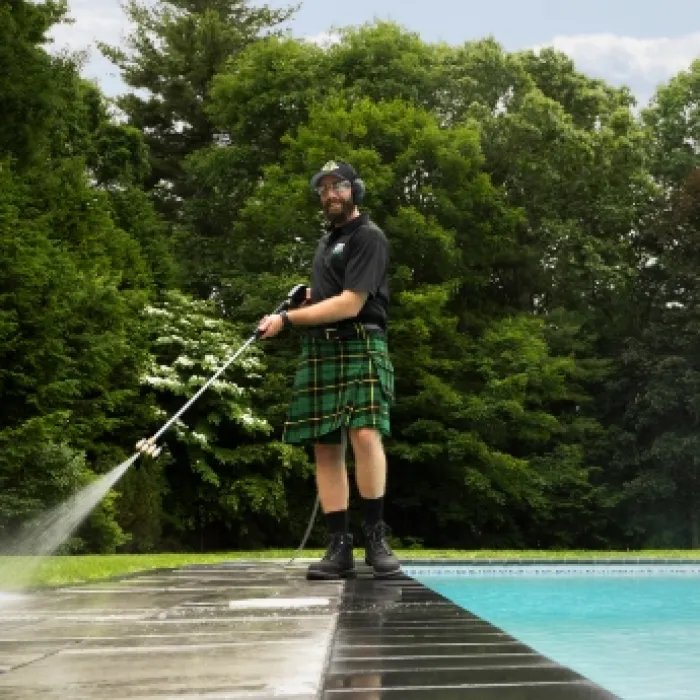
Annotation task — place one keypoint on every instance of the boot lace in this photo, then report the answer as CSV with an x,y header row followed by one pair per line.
x,y
335,545
376,536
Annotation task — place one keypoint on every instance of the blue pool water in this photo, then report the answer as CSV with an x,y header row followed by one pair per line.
x,y
638,636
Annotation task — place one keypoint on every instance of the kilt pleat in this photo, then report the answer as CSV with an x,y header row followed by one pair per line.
x,y
338,384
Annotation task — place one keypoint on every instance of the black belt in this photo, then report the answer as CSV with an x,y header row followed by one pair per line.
x,y
356,330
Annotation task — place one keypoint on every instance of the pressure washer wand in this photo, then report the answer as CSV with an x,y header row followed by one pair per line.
x,y
148,446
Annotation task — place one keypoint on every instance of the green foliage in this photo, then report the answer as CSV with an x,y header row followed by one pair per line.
x,y
673,119
544,257
30,83
139,509
37,468
174,56
661,377
71,285
267,91
384,62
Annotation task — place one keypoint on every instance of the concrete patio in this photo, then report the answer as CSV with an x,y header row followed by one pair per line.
x,y
259,630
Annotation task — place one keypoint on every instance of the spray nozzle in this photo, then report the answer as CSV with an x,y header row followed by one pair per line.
x,y
148,447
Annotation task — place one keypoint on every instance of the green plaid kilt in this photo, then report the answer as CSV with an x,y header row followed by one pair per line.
x,y
345,383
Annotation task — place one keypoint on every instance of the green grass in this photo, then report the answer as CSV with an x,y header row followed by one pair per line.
x,y
16,572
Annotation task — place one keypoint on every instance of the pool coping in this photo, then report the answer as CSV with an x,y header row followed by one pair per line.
x,y
367,660
547,561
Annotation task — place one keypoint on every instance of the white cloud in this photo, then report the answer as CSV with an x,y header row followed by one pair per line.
x,y
323,39
642,64
94,20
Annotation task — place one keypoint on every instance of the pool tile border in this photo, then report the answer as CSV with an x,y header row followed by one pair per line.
x,y
549,567
631,561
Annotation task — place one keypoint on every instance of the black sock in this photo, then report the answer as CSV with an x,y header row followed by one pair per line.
x,y
373,509
337,521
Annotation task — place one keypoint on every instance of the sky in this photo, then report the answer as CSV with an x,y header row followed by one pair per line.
x,y
639,43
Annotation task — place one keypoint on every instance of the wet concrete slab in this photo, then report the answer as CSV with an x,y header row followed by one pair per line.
x,y
259,631
254,631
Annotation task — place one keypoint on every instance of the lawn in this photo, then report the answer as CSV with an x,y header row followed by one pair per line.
x,y
55,571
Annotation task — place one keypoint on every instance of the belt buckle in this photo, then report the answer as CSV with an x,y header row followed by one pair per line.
x,y
328,332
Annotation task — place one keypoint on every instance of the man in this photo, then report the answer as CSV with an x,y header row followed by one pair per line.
x,y
344,384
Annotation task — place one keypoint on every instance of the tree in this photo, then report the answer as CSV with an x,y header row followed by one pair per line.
x,y
660,377
71,282
29,82
261,95
69,342
651,401
579,190
175,50
673,120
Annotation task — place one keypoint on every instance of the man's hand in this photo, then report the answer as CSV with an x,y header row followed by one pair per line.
x,y
270,326
337,308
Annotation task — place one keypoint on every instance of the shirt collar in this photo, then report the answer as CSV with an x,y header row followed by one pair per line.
x,y
351,225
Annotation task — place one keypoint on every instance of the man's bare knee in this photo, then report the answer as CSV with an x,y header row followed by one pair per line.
x,y
328,456
365,439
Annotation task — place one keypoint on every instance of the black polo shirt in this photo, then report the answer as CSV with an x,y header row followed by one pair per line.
x,y
355,257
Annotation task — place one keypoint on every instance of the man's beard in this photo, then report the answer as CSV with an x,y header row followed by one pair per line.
x,y
339,216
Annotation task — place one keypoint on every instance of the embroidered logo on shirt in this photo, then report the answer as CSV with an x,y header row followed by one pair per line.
x,y
338,248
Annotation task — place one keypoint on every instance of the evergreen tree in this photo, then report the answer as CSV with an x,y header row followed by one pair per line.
x,y
174,51
71,283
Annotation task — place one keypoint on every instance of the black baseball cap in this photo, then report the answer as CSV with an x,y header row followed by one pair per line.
x,y
341,170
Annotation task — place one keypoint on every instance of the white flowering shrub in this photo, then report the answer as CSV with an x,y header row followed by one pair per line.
x,y
224,464
189,346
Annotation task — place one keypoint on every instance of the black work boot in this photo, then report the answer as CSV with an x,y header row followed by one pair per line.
x,y
378,554
338,561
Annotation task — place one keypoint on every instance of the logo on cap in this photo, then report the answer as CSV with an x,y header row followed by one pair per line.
x,y
330,166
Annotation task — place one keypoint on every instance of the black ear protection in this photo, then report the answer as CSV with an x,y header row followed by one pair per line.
x,y
358,190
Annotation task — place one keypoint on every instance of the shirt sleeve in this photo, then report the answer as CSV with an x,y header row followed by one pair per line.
x,y
366,267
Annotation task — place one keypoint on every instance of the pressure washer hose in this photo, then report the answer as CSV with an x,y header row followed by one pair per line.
x,y
310,526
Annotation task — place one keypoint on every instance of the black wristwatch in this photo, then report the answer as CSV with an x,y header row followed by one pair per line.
x,y
285,319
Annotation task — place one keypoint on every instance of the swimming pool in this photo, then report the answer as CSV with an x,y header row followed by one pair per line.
x,y
634,631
